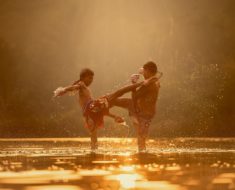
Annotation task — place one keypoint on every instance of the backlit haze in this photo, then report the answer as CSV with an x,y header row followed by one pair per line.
x,y
44,44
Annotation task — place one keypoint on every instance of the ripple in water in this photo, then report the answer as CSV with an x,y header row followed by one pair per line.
x,y
170,164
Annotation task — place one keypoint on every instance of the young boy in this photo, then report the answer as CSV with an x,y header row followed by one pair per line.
x,y
94,110
142,105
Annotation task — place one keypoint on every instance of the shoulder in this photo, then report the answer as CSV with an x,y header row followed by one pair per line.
x,y
157,84
81,84
154,86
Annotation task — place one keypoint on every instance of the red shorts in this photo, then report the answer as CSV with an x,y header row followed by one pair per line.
x,y
94,112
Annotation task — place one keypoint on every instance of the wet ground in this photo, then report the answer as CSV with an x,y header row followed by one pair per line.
x,y
170,164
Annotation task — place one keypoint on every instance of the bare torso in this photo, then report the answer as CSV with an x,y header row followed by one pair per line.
x,y
84,94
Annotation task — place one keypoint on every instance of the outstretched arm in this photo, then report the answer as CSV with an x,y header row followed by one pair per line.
x,y
63,90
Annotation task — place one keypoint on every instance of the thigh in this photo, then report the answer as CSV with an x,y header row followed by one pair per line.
x,y
122,102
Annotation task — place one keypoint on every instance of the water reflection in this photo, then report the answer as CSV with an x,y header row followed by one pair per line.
x,y
126,181
195,164
53,187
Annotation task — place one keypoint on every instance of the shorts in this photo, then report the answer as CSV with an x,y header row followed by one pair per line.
x,y
141,123
94,111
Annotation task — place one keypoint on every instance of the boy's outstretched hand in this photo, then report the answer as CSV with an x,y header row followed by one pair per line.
x,y
134,78
59,92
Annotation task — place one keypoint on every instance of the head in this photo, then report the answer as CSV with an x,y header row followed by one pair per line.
x,y
86,75
149,69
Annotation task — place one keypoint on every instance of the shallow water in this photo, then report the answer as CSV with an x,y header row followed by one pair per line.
x,y
170,164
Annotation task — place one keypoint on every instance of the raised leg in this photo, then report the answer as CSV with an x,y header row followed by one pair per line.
x,y
121,102
111,97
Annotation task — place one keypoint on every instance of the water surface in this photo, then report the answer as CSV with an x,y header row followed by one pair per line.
x,y
68,164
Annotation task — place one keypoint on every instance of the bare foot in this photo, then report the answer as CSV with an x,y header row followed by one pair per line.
x,y
119,119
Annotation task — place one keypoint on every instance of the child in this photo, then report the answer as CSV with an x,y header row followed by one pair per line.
x,y
94,110
142,105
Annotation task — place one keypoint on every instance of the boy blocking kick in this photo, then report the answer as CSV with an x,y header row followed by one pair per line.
x,y
94,110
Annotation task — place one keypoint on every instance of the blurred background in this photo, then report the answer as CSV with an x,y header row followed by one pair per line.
x,y
44,44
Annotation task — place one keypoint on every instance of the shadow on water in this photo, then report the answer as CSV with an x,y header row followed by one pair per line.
x,y
170,164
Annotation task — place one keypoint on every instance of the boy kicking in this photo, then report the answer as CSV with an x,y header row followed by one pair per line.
x,y
94,110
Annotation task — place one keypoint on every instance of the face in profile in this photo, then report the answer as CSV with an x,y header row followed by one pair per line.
x,y
88,80
146,73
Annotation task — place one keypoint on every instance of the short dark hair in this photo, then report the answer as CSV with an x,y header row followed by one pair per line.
x,y
86,72
151,66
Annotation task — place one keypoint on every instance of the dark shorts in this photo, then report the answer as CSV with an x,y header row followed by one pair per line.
x,y
141,123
